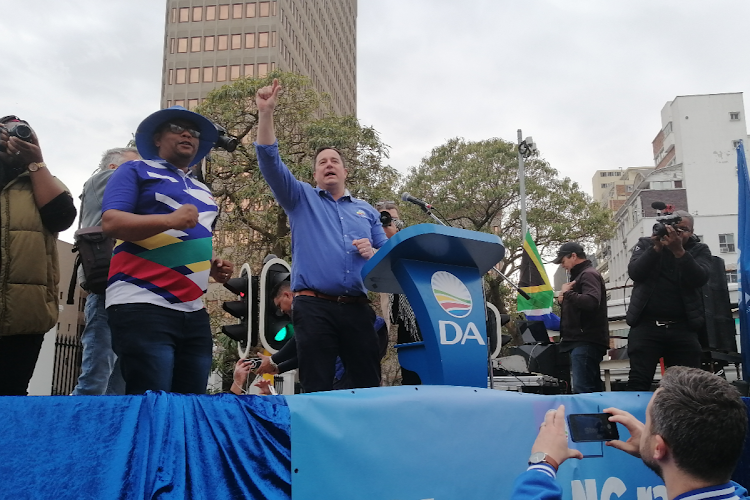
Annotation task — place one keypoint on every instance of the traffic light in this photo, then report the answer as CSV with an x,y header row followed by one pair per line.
x,y
275,327
495,321
241,309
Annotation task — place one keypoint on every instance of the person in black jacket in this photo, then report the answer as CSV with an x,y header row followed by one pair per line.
x,y
666,307
584,328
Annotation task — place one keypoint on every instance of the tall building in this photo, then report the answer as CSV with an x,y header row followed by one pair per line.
x,y
612,188
208,44
696,170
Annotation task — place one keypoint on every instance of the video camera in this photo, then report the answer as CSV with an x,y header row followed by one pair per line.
x,y
665,217
14,127
386,219
225,141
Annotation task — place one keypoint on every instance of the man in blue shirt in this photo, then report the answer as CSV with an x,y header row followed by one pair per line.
x,y
333,235
693,437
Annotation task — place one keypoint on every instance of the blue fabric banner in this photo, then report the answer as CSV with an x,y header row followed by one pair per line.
x,y
743,262
166,446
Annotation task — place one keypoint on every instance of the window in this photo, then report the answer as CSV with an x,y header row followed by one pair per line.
x,y
734,115
170,81
237,11
263,39
221,74
667,129
184,14
629,189
735,144
660,185
181,74
678,184
208,43
731,276
223,12
273,39
211,13
603,174
273,8
192,104
249,40
262,70
236,42
223,41
174,20
195,44
603,185
234,72
265,9
197,13
195,75
250,10
249,70
180,102
169,103
726,243
182,44
208,74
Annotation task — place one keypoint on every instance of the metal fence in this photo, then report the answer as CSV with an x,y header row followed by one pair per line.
x,y
67,367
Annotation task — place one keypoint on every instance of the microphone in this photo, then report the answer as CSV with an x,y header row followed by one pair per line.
x,y
416,201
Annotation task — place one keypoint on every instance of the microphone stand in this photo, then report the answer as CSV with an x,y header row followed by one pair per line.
x,y
523,294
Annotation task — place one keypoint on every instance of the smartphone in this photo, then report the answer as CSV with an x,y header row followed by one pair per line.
x,y
254,363
587,427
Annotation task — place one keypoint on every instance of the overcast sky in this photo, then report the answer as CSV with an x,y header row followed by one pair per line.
x,y
586,78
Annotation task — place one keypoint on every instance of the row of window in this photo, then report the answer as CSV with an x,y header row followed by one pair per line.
x,y
222,12
210,74
222,42
617,173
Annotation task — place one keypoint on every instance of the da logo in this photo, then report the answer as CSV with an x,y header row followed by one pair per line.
x,y
451,294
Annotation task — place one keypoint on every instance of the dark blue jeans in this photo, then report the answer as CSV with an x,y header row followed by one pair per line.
x,y
161,349
584,368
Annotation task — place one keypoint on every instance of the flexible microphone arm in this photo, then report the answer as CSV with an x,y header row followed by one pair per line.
x,y
428,211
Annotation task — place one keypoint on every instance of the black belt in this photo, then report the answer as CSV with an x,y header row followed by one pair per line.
x,y
344,299
668,323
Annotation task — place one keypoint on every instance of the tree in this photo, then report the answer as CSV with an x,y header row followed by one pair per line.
x,y
475,185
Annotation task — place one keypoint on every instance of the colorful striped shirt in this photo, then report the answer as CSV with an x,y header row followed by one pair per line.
x,y
171,268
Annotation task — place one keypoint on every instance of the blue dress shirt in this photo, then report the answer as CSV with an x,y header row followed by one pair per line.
x,y
324,258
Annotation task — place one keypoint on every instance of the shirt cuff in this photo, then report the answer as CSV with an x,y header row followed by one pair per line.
x,y
544,468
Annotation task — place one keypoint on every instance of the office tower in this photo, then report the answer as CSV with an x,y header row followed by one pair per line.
x,y
208,44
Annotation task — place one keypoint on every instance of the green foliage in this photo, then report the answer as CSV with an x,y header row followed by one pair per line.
x,y
476,186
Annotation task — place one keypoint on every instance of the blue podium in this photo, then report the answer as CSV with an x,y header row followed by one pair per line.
x,y
440,270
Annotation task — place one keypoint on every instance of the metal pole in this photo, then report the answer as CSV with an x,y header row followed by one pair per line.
x,y
522,187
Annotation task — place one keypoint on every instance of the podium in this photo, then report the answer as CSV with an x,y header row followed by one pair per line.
x,y
440,270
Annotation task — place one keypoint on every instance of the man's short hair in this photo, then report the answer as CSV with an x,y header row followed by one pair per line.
x,y
115,156
385,205
321,149
281,288
702,419
685,215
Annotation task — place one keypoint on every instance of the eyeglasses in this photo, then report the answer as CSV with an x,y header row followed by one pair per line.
x,y
178,129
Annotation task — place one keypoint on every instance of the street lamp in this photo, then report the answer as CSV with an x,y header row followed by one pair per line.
x,y
526,147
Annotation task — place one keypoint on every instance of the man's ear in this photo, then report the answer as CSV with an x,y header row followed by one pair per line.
x,y
661,448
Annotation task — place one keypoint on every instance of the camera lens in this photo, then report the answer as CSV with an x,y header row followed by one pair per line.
x,y
22,132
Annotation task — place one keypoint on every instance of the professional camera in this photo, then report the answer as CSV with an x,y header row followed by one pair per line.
x,y
15,128
225,141
386,219
665,218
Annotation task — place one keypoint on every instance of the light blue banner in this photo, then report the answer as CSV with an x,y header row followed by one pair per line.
x,y
449,443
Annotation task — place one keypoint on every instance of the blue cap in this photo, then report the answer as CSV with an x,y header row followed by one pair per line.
x,y
144,136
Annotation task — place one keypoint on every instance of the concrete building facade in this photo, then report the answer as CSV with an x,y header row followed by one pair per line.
x,y
612,188
208,44
695,170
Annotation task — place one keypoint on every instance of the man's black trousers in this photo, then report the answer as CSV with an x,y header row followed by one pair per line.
x,y
677,344
324,330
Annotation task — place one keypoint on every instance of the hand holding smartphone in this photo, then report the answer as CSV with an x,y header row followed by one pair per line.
x,y
588,427
254,363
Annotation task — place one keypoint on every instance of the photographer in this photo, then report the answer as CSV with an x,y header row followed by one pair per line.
x,y
666,311
35,207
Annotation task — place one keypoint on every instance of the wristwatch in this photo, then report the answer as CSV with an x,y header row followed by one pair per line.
x,y
540,456
34,166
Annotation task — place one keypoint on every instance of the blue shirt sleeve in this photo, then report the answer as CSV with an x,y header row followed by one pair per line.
x,y
285,187
537,483
122,189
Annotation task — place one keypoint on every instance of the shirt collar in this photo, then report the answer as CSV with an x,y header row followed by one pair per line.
x,y
720,491
321,191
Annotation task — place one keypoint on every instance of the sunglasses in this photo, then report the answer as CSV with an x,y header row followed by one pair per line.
x,y
178,129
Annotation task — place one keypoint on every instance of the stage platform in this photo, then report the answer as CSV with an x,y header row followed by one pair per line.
x,y
389,443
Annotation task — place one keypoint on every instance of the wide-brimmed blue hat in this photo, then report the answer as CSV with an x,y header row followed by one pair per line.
x,y
144,136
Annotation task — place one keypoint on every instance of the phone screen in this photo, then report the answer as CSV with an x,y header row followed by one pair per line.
x,y
585,427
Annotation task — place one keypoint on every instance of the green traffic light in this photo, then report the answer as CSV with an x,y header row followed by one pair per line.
x,y
284,333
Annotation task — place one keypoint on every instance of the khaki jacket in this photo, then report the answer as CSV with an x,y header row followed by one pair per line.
x,y
29,267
